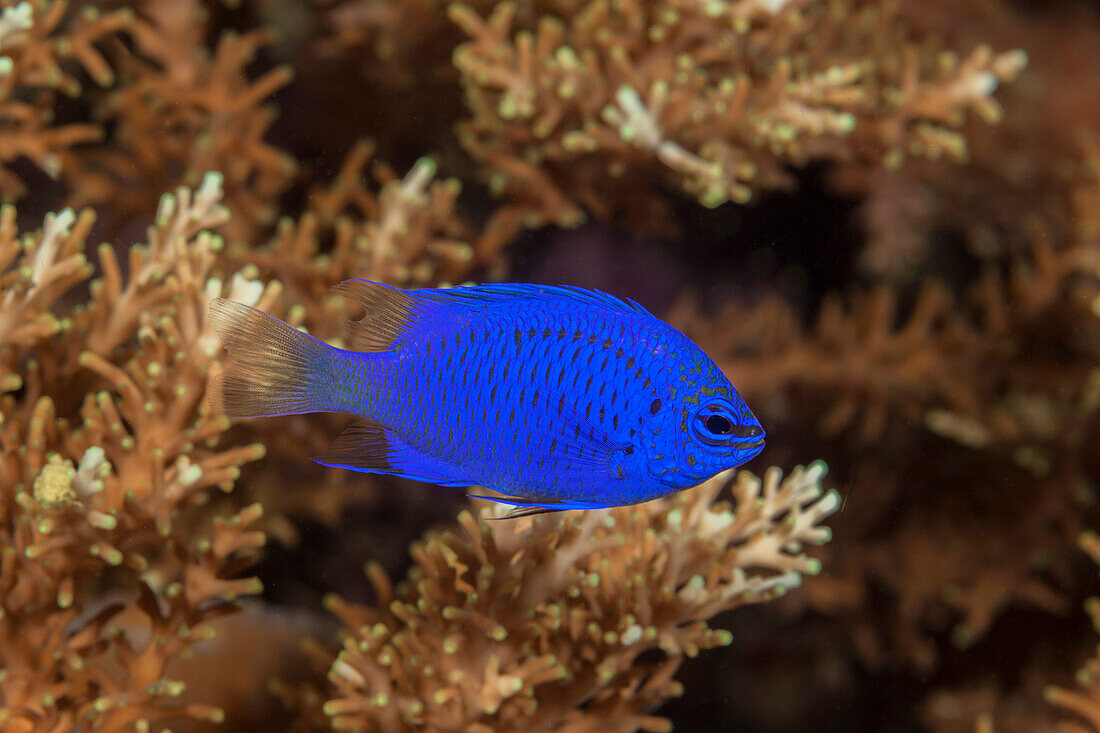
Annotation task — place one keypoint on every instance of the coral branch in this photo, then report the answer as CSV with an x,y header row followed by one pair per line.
x,y
540,624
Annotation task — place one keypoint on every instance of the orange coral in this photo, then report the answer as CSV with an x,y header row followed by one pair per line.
x,y
103,578
541,623
37,43
720,95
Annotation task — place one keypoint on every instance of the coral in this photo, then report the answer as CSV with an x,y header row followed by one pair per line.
x,y
1001,394
940,354
105,575
1084,703
542,623
721,95
176,114
37,46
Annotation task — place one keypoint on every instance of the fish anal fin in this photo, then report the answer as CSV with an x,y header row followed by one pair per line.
x,y
363,446
388,313
371,447
524,507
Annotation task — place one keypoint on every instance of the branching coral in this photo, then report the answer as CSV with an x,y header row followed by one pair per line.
x,y
105,577
542,624
1086,701
721,95
960,418
38,45
176,114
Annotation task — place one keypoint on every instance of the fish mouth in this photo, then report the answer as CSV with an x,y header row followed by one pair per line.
x,y
749,445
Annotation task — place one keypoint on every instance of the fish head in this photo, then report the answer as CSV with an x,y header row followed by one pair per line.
x,y
706,429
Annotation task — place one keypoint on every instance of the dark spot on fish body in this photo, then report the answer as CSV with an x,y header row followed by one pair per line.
x,y
619,353
493,393
601,413
577,335
561,375
576,354
690,460
512,416
588,411
604,365
527,442
518,335
619,470
532,333
561,334
615,422
523,393
607,343
535,399
655,407
614,395
561,403
592,339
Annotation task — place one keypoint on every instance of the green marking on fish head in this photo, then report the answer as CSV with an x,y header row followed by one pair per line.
x,y
706,427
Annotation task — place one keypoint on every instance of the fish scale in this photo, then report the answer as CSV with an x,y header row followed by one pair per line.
x,y
553,397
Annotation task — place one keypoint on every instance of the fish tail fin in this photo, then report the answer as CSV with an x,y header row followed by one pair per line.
x,y
276,369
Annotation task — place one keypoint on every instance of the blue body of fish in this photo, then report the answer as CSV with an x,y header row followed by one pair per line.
x,y
554,397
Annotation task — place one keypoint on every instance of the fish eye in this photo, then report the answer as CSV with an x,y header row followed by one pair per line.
x,y
718,424
714,424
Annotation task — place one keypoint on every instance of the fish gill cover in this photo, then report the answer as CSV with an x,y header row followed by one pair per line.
x,y
879,219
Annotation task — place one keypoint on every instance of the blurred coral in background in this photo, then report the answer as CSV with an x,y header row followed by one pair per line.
x,y
880,217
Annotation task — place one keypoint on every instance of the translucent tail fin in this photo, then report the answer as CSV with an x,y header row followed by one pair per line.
x,y
276,369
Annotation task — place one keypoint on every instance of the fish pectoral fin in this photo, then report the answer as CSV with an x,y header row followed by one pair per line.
x,y
368,446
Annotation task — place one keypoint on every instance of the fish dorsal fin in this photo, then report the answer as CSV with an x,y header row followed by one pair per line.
x,y
392,312
510,294
388,313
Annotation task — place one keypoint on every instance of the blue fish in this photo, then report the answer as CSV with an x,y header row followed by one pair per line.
x,y
553,397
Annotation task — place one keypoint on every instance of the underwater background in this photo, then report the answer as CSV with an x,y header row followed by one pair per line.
x,y
881,218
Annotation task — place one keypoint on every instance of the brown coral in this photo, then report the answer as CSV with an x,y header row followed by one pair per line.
x,y
720,95
103,577
539,624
